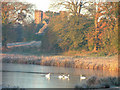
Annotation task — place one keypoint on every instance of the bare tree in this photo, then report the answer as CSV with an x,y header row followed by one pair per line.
x,y
14,12
73,6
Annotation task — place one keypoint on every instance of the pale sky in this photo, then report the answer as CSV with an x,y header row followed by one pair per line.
x,y
44,5
40,4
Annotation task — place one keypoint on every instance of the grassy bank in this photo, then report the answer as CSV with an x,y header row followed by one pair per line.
x,y
96,63
34,48
111,83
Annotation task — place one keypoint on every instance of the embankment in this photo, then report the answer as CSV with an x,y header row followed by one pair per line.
x,y
97,63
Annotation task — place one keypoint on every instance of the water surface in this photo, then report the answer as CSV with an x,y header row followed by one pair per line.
x,y
33,76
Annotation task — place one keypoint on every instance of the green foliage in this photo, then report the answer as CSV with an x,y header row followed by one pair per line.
x,y
20,33
68,33
81,32
29,31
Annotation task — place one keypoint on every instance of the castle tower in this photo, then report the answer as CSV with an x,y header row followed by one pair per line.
x,y
38,16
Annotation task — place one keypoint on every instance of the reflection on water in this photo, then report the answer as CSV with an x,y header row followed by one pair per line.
x,y
34,76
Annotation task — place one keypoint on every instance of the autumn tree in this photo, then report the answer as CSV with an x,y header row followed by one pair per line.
x,y
96,31
12,13
105,30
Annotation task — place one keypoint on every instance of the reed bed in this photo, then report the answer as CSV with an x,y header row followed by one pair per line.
x,y
96,63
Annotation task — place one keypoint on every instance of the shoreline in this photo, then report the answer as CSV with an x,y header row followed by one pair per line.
x,y
95,63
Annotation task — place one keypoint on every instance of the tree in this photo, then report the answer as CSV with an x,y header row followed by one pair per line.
x,y
67,33
29,31
106,19
12,13
73,6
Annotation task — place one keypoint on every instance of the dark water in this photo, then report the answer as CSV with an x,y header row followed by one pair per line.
x,y
33,76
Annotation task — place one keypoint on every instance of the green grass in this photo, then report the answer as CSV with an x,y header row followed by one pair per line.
x,y
28,50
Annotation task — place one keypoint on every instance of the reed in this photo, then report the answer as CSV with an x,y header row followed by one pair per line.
x,y
95,63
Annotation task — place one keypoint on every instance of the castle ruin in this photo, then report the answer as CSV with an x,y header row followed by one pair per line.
x,y
39,16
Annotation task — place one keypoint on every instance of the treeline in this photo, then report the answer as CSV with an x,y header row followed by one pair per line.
x,y
93,32
21,33
18,24
81,32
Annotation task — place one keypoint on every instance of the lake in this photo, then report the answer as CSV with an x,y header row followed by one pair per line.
x,y
33,76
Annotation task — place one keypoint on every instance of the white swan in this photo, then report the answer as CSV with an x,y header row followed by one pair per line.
x,y
63,77
82,77
47,76
66,77
60,76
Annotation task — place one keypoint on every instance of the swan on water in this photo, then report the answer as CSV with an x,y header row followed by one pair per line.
x,y
47,76
60,76
64,77
82,77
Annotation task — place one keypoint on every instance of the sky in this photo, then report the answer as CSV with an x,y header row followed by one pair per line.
x,y
40,4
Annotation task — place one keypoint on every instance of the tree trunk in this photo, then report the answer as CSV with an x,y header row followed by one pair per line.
x,y
95,45
80,8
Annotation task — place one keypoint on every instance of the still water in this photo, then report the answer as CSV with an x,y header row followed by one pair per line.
x,y
33,76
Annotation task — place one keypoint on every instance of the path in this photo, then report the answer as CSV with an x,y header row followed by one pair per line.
x,y
19,44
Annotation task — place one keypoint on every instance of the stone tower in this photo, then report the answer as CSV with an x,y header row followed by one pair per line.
x,y
38,16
